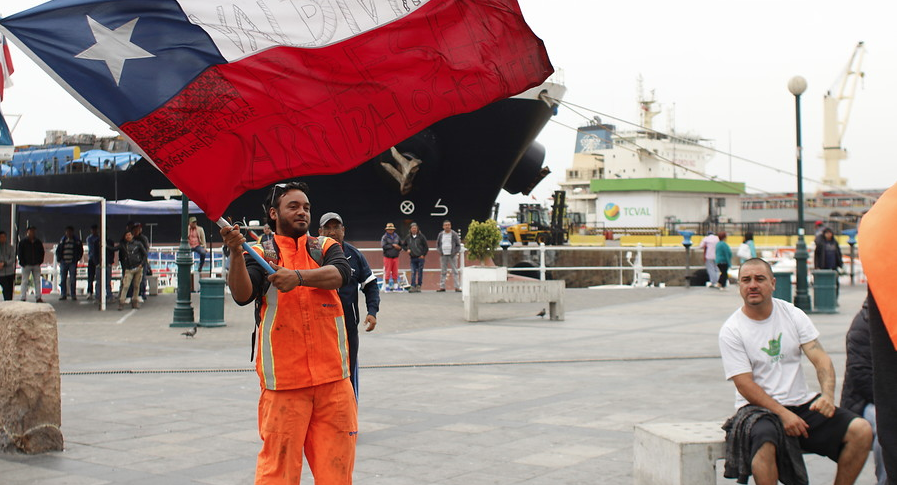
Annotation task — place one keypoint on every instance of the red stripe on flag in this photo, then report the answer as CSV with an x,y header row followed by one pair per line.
x,y
290,112
876,239
6,68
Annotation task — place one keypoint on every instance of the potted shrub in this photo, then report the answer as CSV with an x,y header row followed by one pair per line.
x,y
481,242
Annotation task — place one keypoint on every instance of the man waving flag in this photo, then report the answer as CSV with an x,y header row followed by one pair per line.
x,y
223,97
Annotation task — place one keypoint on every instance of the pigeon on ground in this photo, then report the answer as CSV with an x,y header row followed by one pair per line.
x,y
541,314
190,333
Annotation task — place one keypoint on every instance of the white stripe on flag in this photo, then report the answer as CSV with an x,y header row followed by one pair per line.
x,y
246,27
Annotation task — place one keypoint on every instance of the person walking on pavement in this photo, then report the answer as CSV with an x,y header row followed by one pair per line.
x,y
196,238
306,403
139,291
723,258
68,253
7,267
708,244
131,256
448,243
416,245
361,277
93,259
31,257
392,247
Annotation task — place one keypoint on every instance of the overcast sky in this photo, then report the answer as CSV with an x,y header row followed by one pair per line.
x,y
725,65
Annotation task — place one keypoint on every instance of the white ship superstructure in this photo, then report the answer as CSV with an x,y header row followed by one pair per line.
x,y
603,152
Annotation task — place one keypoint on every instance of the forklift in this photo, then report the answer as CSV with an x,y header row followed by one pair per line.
x,y
533,224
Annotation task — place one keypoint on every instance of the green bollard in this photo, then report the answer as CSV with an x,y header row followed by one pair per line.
x,y
783,286
825,290
211,302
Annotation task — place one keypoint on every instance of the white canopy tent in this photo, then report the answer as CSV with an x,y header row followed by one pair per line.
x,y
23,197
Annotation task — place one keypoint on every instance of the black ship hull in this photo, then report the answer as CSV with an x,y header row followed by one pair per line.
x,y
452,170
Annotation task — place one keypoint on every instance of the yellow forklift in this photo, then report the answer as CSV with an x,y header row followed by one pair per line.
x,y
534,224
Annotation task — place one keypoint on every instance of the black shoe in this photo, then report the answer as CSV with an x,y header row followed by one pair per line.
x,y
62,298
441,289
457,290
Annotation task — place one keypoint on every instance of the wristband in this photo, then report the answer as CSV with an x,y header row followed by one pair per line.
x,y
299,275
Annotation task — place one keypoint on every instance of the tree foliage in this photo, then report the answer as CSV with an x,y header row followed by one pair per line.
x,y
482,239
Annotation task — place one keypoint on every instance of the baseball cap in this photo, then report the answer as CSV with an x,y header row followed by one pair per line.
x,y
191,219
389,226
329,217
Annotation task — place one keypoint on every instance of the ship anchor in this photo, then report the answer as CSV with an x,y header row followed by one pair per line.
x,y
403,168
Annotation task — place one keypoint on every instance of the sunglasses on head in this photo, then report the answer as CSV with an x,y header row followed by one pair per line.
x,y
275,193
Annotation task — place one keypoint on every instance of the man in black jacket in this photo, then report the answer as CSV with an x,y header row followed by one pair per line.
x,y
360,277
857,394
68,253
416,245
31,256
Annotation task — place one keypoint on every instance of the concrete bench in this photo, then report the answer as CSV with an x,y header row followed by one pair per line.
x,y
551,292
678,453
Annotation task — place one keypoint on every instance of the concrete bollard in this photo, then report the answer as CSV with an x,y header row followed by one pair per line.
x,y
30,400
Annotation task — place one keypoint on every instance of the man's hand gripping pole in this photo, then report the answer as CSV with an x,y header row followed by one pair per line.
x,y
256,256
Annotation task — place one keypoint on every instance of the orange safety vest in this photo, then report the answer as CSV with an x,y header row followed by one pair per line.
x,y
301,335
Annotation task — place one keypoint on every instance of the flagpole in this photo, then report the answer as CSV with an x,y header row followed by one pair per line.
x,y
256,256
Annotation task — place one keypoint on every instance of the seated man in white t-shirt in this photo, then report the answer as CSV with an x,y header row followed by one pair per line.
x,y
761,346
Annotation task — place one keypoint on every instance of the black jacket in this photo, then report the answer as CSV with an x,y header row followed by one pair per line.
x,y
360,277
819,254
416,246
30,253
131,254
77,249
858,383
789,457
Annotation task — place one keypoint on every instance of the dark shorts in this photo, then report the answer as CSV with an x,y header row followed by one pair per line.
x,y
826,434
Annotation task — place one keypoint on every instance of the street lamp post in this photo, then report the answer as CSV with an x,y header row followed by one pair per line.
x,y
183,307
797,85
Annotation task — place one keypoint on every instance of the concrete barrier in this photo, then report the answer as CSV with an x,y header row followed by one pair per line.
x,y
678,453
551,292
30,401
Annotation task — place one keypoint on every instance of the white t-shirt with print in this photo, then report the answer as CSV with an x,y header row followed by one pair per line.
x,y
770,350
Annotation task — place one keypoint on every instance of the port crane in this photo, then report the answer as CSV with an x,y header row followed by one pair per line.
x,y
841,95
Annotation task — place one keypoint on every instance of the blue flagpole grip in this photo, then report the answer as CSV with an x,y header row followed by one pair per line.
x,y
256,256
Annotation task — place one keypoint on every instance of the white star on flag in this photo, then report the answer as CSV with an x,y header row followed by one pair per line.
x,y
113,47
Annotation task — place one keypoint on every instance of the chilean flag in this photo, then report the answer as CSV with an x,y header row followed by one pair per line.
x,y
223,97
6,68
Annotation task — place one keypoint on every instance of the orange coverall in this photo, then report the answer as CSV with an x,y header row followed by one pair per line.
x,y
307,402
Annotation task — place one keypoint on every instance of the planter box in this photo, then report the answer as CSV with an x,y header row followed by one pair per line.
x,y
481,273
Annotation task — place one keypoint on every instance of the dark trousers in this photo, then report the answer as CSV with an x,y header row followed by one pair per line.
x,y
69,278
417,271
723,274
352,337
7,282
884,365
91,275
104,279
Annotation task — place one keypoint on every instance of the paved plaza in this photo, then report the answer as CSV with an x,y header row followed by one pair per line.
x,y
512,399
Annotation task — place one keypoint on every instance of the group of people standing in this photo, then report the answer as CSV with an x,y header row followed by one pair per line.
x,y
718,254
132,249
448,245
